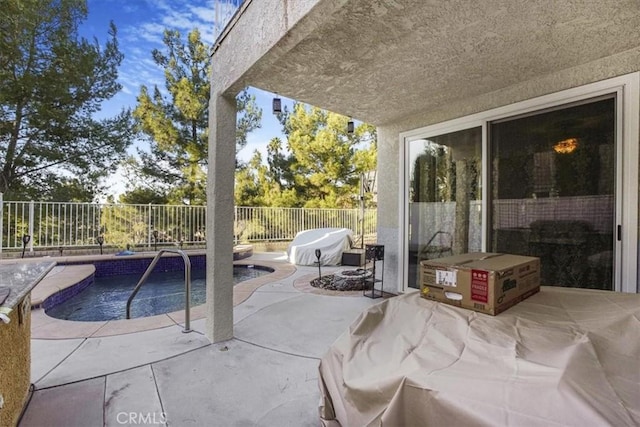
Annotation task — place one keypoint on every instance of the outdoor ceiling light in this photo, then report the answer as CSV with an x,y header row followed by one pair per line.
x,y
277,105
350,127
566,146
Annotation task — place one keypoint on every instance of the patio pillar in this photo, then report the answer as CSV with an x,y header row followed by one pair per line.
x,y
463,190
220,184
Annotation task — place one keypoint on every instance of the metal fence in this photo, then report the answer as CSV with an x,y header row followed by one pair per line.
x,y
34,225
280,224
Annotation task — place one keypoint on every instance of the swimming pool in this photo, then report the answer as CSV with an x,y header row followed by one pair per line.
x,y
106,298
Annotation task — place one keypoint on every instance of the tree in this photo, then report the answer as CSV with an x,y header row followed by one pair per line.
x,y
434,172
141,195
250,183
320,165
176,121
52,82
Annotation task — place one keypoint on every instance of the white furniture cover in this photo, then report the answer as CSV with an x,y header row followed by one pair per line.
x,y
331,242
563,357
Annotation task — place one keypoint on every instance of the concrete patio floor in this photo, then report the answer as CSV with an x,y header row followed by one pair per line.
x,y
266,375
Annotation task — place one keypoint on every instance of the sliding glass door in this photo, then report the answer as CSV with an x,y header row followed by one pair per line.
x,y
554,177
551,193
553,187
444,201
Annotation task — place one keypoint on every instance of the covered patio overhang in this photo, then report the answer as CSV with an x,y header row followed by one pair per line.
x,y
397,64
382,61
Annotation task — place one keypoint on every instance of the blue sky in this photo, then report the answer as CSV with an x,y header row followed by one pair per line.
x,y
140,25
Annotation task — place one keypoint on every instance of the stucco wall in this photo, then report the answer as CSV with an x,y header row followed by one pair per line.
x,y
264,27
15,364
389,222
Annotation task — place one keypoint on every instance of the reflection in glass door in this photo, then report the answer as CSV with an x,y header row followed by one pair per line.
x,y
553,180
444,199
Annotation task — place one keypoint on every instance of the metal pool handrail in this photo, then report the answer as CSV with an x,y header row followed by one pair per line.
x,y
187,285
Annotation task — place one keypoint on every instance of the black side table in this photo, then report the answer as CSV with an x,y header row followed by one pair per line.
x,y
373,254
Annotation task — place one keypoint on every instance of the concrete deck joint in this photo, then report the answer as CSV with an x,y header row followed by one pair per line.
x,y
276,350
265,375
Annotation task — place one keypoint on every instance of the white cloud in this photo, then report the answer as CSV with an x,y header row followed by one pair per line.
x,y
178,21
140,70
126,88
165,14
143,30
130,8
204,13
159,4
147,62
136,52
149,31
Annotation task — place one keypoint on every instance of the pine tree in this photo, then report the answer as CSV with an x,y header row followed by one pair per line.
x,y
175,121
318,166
51,84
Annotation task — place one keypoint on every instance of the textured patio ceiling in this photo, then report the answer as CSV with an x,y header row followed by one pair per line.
x,y
381,60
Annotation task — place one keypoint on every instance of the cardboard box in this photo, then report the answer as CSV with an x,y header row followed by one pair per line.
x,y
485,282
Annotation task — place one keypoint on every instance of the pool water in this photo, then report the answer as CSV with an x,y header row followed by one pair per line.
x,y
163,292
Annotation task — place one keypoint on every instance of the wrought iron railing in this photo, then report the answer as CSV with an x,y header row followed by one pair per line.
x,y
54,225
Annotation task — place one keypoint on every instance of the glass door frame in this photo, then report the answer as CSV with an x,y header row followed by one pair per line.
x,y
627,91
426,133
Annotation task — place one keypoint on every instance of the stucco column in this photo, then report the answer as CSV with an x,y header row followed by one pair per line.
x,y
220,182
389,190
461,232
